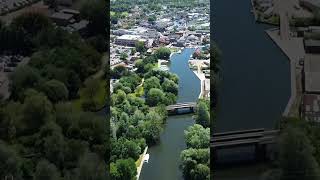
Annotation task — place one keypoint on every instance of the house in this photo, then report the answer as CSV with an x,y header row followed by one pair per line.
x,y
62,19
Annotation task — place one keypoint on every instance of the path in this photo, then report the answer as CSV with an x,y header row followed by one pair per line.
x,y
141,163
294,50
201,77
104,61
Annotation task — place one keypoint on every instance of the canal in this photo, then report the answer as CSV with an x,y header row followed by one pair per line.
x,y
255,85
165,157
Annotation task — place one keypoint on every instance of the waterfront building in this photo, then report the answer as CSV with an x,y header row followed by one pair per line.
x,y
311,107
129,40
312,46
312,73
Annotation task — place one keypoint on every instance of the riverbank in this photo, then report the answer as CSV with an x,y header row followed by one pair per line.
x,y
142,157
164,159
294,50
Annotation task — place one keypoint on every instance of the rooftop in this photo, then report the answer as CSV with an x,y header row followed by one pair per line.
x,y
131,37
312,73
59,15
312,42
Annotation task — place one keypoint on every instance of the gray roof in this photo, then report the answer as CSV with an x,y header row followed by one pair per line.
x,y
312,73
60,15
311,42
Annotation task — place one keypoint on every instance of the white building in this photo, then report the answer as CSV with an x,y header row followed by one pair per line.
x,y
129,40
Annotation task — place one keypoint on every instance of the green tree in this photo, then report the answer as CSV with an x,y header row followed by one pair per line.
x,y
46,171
163,53
170,86
200,172
124,169
191,160
151,131
119,71
73,84
197,137
10,162
133,51
23,78
140,47
55,90
31,23
123,56
152,82
124,148
296,156
155,97
152,18
92,86
91,166
99,42
95,12
202,114
36,111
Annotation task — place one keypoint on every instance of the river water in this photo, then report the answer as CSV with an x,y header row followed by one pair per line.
x,y
255,85
165,157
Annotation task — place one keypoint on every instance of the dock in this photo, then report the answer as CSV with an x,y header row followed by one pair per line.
x,y
294,50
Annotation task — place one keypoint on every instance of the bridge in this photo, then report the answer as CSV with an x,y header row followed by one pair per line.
x,y
173,109
259,138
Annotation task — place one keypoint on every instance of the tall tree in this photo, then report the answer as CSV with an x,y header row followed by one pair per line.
x,y
296,156
202,114
46,171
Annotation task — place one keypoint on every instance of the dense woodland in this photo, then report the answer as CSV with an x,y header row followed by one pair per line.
x,y
138,111
44,135
196,158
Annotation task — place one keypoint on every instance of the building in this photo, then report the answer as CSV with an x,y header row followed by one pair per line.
x,y
206,88
311,75
129,40
75,13
80,27
120,32
311,107
62,19
312,46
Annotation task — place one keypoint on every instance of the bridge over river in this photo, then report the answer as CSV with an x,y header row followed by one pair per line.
x,y
173,109
259,138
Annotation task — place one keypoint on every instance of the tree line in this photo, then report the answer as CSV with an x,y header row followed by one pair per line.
x,y
195,160
42,134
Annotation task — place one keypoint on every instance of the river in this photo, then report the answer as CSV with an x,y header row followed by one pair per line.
x,y
165,157
255,85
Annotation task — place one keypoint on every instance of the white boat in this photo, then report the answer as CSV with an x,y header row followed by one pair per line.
x,y
146,158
